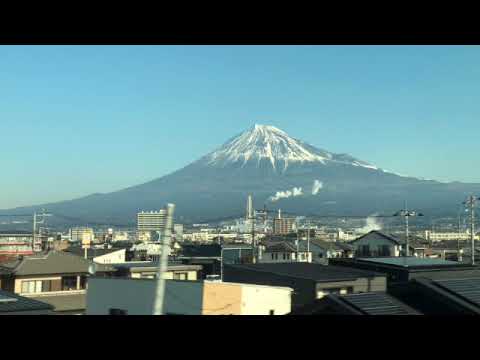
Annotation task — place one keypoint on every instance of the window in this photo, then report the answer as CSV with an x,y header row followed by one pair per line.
x,y
69,283
117,312
46,285
180,276
272,255
32,287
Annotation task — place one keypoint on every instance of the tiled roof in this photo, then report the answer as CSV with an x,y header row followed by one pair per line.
x,y
54,262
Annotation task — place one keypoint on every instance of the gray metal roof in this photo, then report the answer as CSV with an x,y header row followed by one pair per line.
x,y
10,302
375,303
310,271
409,261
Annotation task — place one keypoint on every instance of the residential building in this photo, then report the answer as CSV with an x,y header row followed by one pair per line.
x,y
401,270
284,251
57,278
309,281
16,242
108,296
376,244
149,269
83,235
150,222
14,304
283,226
322,250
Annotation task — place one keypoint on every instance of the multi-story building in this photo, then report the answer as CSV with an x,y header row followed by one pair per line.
x,y
16,242
84,235
434,236
151,221
283,226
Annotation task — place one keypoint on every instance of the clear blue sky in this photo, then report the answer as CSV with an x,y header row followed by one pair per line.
x,y
76,120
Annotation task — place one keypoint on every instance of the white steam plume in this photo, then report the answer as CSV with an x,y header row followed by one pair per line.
x,y
317,185
286,194
370,225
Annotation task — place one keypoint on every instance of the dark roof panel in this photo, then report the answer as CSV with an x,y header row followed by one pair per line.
x,y
310,271
10,302
376,303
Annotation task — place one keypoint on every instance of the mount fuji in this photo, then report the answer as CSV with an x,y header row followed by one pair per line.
x,y
280,172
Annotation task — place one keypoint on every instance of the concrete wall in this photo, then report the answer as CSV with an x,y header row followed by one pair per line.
x,y
115,257
260,300
185,298
138,296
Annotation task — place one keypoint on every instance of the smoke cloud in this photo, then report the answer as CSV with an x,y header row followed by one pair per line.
x,y
286,194
317,186
370,225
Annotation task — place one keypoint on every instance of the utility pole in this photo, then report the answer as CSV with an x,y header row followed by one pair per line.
x,y
35,223
163,264
471,202
308,240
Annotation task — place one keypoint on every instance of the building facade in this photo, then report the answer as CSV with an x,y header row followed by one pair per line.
x,y
114,295
16,243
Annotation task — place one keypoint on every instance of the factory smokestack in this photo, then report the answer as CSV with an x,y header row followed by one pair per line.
x,y
249,214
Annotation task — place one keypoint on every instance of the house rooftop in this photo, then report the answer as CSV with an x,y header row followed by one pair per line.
x,y
13,303
65,302
371,303
53,262
410,261
310,271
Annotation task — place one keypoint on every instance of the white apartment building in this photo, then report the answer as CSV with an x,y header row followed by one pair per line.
x,y
445,236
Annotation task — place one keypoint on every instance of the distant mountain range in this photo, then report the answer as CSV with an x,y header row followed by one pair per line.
x,y
280,172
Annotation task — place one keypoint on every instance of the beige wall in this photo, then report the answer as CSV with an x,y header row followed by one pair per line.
x,y
222,299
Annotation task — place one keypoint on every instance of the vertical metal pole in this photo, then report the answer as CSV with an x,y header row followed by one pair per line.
x,y
308,242
407,250
34,231
472,227
162,266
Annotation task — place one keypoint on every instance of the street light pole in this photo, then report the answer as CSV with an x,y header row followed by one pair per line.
x,y
406,214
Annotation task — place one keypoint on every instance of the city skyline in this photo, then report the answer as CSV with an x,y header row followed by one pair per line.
x,y
87,119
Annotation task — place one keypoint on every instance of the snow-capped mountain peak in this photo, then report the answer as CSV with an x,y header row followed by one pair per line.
x,y
265,142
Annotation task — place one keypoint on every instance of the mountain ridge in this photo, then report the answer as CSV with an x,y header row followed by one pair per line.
x,y
280,171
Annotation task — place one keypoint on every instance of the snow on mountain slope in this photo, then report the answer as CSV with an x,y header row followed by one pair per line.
x,y
263,142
